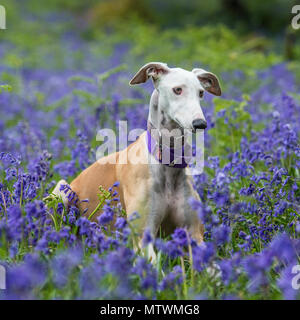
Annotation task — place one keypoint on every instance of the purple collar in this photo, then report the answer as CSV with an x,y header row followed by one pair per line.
x,y
170,157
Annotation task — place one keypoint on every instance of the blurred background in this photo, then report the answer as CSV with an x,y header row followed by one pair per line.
x,y
224,34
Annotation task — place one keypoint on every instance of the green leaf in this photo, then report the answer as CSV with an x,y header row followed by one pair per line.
x,y
5,87
221,104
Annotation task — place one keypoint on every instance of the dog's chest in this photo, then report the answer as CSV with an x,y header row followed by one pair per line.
x,y
169,188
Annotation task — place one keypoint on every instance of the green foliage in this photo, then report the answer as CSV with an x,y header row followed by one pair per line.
x,y
228,134
214,46
103,196
247,15
5,87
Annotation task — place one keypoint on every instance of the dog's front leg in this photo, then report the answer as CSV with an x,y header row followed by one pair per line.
x,y
196,229
195,225
155,217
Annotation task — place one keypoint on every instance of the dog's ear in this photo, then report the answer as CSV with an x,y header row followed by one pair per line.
x,y
151,69
209,81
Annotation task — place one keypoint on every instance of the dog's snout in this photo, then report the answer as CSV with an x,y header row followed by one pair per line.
x,y
199,124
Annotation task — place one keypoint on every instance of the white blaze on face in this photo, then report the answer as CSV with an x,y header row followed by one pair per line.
x,y
184,107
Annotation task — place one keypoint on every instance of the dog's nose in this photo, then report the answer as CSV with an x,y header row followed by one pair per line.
x,y
199,124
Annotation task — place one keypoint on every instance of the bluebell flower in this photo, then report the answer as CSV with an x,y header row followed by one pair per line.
x,y
221,234
288,279
147,238
180,237
120,223
106,216
202,255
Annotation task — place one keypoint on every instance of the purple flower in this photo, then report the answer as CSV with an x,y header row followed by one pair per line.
x,y
172,279
202,255
289,282
147,238
146,272
283,249
221,234
24,279
118,262
257,267
107,216
85,226
73,214
120,223
89,282
204,211
63,264
180,237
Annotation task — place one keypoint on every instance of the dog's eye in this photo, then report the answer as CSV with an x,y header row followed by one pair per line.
x,y
201,94
177,90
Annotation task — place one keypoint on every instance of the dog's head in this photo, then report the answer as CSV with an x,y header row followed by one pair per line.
x,y
180,91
